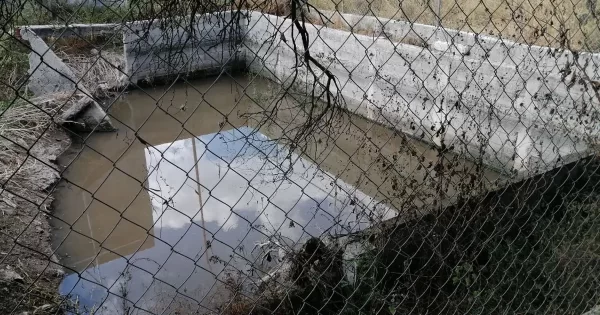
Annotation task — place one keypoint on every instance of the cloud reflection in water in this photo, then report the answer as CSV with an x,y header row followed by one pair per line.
x,y
231,189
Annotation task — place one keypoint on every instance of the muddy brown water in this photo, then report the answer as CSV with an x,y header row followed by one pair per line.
x,y
159,216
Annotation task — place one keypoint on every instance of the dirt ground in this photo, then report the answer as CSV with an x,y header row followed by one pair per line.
x,y
29,276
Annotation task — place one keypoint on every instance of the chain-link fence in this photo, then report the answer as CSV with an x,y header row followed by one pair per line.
x,y
299,157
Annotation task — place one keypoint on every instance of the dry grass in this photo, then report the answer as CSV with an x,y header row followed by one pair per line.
x,y
98,64
21,126
27,131
276,7
24,121
99,73
540,22
13,68
338,22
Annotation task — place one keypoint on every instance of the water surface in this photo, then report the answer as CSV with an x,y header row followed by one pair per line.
x,y
191,188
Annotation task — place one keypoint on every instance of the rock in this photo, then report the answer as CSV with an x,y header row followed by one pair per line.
x,y
5,210
8,199
9,275
41,309
593,311
55,272
84,114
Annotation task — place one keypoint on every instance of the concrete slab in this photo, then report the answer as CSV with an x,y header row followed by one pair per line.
x,y
49,75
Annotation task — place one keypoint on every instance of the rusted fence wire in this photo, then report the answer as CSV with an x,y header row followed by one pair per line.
x,y
299,157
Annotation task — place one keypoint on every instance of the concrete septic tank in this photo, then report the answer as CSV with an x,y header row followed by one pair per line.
x,y
517,108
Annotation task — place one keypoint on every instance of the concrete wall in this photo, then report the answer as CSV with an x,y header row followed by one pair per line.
x,y
158,49
518,108
522,118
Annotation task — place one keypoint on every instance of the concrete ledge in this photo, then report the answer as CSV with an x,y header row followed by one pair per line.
x,y
72,30
475,47
100,4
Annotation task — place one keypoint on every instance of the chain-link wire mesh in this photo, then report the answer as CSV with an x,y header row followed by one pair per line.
x,y
299,157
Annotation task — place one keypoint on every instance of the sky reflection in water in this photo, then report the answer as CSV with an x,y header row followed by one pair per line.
x,y
233,198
